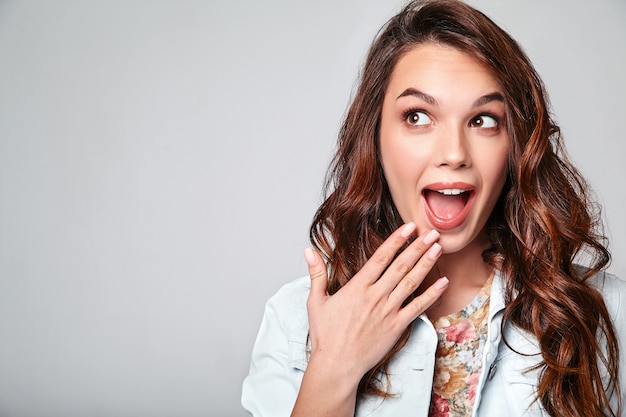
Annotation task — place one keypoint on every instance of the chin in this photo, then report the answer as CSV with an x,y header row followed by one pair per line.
x,y
450,248
472,243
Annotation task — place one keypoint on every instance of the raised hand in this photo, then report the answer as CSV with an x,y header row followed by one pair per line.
x,y
353,329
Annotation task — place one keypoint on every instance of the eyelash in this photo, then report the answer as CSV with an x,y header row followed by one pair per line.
x,y
406,114
495,118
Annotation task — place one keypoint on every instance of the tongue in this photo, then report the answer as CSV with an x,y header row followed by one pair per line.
x,y
445,206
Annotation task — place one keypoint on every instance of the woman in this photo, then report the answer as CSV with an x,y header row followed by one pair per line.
x,y
444,281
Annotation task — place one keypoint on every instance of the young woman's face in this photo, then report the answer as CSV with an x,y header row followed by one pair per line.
x,y
444,146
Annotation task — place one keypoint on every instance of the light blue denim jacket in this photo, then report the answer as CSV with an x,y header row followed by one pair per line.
x,y
506,388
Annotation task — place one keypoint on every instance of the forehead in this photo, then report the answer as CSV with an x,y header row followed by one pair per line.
x,y
441,70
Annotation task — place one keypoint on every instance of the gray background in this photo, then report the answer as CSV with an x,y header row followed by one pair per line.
x,y
160,162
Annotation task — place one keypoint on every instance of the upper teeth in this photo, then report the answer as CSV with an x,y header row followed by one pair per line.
x,y
451,191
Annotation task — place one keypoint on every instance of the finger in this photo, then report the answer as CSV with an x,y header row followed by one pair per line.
x,y
421,303
384,255
409,283
317,273
406,261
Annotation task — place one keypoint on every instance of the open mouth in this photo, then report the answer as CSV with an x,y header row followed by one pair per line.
x,y
447,207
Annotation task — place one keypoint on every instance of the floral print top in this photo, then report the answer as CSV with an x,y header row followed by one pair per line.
x,y
458,360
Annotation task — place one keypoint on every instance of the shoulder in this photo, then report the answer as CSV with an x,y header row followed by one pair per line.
x,y
291,296
279,353
613,289
288,306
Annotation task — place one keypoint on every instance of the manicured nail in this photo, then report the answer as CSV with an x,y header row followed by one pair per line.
x,y
309,256
441,283
434,251
431,237
407,230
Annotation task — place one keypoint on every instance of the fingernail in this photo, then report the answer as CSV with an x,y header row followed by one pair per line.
x,y
432,236
407,230
441,283
309,256
434,251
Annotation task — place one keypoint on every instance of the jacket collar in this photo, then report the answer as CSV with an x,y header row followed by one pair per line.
x,y
496,300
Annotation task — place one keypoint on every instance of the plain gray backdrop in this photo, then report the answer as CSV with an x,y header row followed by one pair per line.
x,y
160,162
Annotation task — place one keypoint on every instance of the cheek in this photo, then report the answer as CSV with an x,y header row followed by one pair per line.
x,y
402,166
497,166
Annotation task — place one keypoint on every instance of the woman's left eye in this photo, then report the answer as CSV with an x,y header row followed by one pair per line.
x,y
484,121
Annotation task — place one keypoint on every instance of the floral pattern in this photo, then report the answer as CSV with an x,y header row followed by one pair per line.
x,y
458,361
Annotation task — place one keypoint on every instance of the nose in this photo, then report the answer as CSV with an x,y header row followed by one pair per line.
x,y
453,149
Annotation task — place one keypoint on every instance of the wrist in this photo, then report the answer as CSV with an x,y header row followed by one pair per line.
x,y
337,373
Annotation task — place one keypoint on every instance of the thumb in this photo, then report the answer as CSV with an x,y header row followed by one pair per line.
x,y
317,273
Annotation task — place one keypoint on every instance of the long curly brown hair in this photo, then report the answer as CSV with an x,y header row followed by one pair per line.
x,y
543,222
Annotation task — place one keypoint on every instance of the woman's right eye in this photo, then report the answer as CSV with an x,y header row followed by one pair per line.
x,y
417,118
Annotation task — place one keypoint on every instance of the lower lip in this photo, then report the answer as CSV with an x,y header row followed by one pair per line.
x,y
448,224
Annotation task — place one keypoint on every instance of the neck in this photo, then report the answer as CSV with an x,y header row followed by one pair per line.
x,y
467,272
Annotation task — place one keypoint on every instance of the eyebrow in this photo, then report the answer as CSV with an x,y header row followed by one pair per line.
x,y
487,98
416,93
